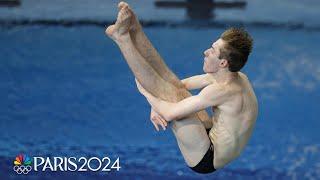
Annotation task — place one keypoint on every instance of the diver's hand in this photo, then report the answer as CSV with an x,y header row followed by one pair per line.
x,y
157,120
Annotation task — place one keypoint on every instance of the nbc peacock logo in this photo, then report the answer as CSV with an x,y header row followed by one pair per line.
x,y
22,164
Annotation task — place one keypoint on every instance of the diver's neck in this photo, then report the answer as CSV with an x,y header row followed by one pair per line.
x,y
224,76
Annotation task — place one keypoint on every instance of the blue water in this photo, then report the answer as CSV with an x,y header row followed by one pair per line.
x,y
67,91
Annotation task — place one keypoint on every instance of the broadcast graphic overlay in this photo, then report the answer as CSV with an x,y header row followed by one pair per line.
x,y
22,164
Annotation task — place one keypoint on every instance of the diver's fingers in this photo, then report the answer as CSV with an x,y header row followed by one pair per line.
x,y
164,121
157,122
161,123
155,125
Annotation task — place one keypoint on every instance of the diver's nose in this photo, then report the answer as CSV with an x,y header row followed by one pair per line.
x,y
205,52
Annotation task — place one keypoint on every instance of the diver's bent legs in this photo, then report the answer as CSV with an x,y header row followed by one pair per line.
x,y
152,57
190,133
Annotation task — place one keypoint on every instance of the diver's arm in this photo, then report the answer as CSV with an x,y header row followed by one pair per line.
x,y
196,82
209,96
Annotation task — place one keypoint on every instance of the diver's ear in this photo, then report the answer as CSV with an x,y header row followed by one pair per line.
x,y
224,63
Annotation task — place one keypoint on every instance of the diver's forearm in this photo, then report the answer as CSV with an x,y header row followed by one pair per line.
x,y
161,107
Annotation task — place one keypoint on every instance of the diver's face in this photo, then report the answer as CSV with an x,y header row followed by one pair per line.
x,y
212,62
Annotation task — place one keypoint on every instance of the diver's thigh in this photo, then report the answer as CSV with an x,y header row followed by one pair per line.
x,y
192,139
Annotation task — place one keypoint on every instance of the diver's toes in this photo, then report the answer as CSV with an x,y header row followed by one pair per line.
x,y
109,30
122,5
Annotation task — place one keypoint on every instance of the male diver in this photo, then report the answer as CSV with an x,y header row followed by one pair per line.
x,y
225,90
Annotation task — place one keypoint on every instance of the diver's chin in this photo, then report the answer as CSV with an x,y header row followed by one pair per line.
x,y
204,69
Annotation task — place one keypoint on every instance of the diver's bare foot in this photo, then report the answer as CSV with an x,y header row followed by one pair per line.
x,y
122,25
135,22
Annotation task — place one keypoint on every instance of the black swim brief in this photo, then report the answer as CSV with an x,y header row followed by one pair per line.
x,y
206,164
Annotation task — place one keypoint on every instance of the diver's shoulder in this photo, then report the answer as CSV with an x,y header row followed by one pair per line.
x,y
243,75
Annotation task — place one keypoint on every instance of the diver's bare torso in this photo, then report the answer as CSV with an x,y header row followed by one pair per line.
x,y
233,120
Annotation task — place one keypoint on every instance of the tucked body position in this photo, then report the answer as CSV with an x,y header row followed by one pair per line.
x,y
206,143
